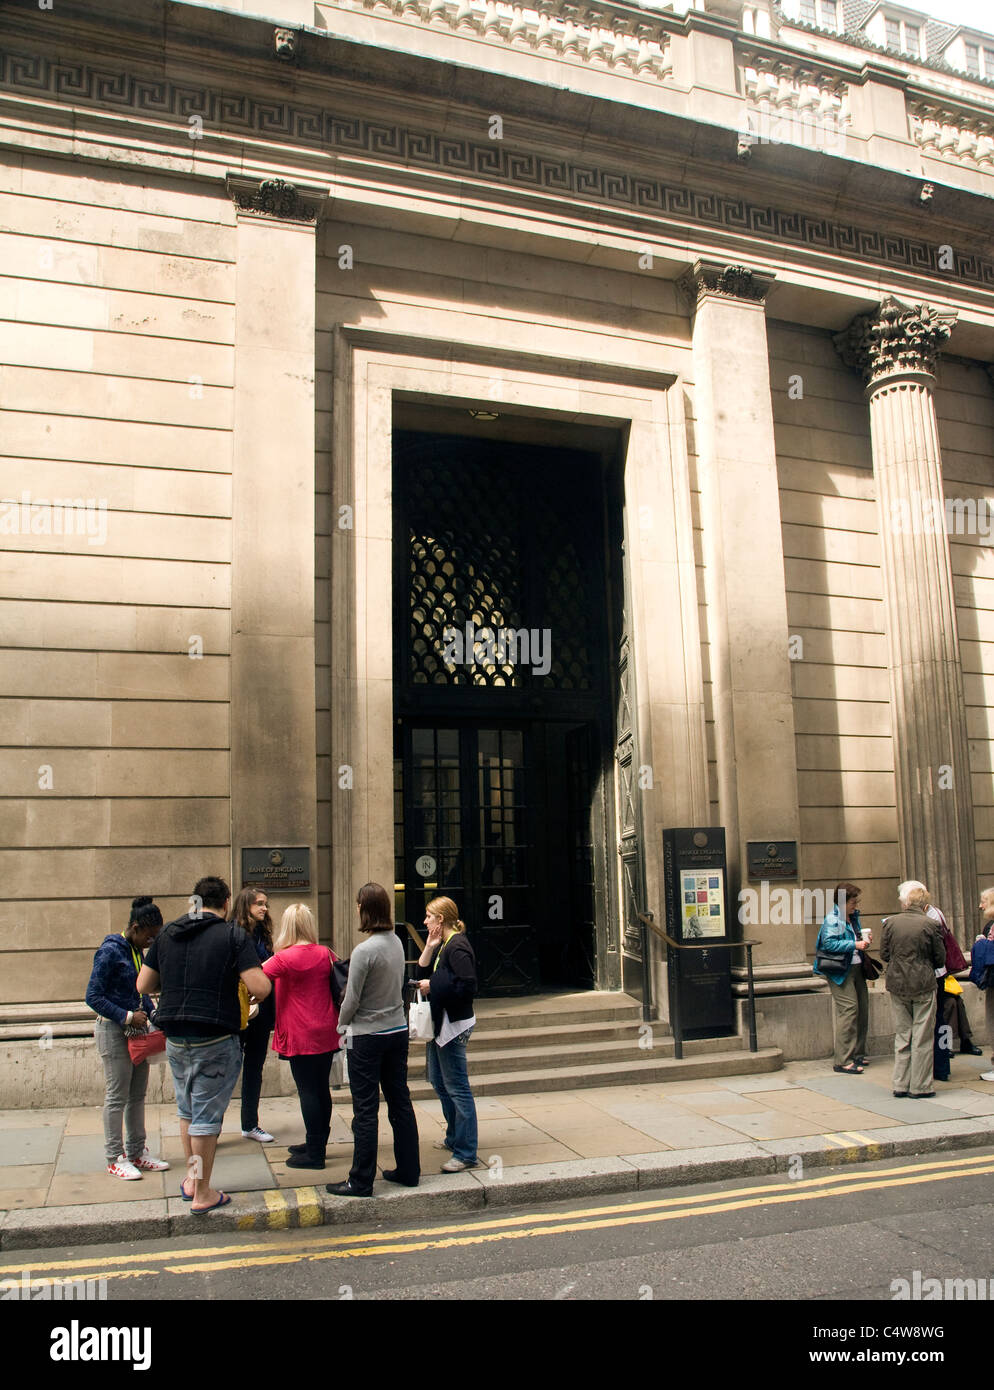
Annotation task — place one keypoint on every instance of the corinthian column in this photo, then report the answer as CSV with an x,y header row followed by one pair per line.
x,y
894,349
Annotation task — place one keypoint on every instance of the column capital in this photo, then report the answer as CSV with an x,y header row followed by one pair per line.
x,y
895,339
275,199
707,279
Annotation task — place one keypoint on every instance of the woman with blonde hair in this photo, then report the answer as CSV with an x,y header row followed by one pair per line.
x,y
306,1032
448,970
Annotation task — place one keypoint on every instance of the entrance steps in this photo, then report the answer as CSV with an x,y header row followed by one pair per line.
x,y
558,1042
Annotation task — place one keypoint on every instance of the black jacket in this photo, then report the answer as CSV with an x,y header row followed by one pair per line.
x,y
453,984
199,960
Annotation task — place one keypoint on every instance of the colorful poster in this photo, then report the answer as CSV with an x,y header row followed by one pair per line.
x,y
703,904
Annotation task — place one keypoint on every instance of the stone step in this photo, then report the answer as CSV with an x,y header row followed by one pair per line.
x,y
567,1038
569,1078
559,1035
581,1050
549,1010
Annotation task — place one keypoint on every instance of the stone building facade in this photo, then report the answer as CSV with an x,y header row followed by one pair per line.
x,y
694,309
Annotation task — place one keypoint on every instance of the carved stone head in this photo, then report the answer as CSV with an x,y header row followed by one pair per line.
x,y
285,42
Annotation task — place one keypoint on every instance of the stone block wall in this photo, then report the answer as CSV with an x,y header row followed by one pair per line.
x,y
118,322
842,708
964,401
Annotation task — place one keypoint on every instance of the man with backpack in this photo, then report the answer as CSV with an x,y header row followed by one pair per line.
x,y
195,964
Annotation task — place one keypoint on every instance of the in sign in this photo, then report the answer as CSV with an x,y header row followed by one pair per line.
x,y
425,866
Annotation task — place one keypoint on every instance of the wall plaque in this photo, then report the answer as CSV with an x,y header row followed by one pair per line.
x,y
771,859
279,870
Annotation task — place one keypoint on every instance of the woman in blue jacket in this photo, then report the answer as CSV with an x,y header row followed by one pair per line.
x,y
843,934
112,996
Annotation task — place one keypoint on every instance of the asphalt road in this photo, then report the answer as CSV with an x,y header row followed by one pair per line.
x,y
840,1233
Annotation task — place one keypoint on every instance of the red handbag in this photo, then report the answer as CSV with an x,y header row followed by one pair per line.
x,y
146,1045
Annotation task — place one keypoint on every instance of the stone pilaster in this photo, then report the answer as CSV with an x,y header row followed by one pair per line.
x,y
894,349
745,586
273,792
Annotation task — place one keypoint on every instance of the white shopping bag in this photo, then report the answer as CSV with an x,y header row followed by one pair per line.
x,y
419,1024
339,1069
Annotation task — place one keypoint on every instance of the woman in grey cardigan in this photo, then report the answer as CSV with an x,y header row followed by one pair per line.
x,y
372,1012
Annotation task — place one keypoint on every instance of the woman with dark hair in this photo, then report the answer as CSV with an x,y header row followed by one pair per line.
x,y
120,1009
372,1015
251,913
838,957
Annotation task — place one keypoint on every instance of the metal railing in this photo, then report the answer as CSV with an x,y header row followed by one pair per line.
x,y
672,964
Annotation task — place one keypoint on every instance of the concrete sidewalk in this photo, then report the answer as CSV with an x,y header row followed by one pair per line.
x,y
55,1192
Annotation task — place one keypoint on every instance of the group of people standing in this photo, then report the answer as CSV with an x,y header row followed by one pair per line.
x,y
922,959
225,986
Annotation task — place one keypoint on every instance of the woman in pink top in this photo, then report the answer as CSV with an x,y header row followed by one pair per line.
x,y
306,1032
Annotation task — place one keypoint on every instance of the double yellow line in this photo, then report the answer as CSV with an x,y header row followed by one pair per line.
x,y
493,1229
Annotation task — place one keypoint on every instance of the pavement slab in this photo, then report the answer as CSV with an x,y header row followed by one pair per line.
x,y
36,1144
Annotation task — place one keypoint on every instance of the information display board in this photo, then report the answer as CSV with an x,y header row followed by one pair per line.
x,y
696,885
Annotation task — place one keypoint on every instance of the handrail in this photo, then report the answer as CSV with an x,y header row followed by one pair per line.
x,y
648,920
413,934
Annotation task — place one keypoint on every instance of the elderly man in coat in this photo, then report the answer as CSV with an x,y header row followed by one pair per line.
x,y
914,951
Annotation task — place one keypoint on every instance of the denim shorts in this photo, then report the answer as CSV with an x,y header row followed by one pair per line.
x,y
204,1075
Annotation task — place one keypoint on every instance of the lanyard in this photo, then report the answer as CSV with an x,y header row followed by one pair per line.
x,y
134,956
440,950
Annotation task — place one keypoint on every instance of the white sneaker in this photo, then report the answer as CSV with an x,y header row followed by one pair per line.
x,y
122,1168
148,1164
263,1136
987,1076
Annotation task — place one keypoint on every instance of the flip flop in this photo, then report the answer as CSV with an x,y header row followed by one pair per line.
x,y
183,1192
849,1071
199,1211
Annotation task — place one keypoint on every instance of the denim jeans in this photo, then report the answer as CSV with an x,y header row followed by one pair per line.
x,y
375,1060
205,1076
448,1074
125,1095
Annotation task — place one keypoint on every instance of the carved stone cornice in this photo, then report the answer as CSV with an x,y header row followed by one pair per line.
x,y
276,198
895,338
712,278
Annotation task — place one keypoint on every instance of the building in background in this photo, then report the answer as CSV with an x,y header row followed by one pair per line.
x,y
460,440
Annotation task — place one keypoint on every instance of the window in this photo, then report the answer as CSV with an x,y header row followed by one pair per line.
x,y
912,40
973,59
824,13
893,29
989,63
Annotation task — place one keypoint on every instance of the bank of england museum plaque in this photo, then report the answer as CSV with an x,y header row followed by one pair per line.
x,y
277,870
